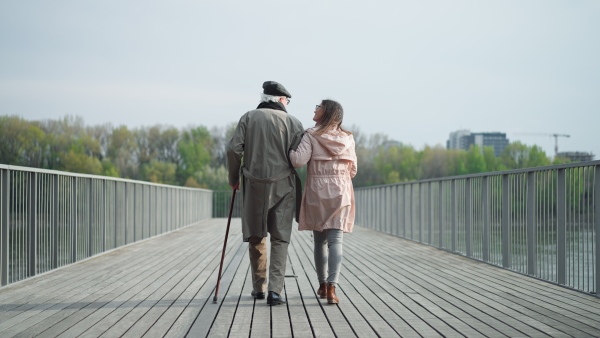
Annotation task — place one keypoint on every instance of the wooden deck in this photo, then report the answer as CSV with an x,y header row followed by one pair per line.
x,y
389,287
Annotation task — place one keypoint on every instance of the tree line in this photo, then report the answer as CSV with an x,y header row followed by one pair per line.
x,y
192,156
195,156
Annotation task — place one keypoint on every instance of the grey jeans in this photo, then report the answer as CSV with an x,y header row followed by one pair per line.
x,y
328,255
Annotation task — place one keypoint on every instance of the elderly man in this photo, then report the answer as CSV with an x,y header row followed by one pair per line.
x,y
263,139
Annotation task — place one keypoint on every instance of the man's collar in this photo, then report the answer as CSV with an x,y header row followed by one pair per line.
x,y
272,105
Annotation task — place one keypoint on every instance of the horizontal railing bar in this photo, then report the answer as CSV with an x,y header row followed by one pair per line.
x,y
108,178
493,173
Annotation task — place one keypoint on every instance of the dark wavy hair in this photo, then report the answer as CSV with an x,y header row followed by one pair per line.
x,y
333,117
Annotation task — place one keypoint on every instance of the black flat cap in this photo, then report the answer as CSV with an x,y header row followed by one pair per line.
x,y
275,89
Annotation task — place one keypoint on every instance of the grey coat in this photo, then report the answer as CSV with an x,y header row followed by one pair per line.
x,y
262,141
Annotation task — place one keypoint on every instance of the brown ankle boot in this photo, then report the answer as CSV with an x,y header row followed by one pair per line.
x,y
331,297
322,292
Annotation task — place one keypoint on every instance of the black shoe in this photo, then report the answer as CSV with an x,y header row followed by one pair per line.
x,y
258,295
274,299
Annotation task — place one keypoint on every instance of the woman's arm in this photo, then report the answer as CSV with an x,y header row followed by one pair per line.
x,y
301,156
354,166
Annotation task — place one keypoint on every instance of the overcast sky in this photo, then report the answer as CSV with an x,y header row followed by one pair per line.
x,y
414,70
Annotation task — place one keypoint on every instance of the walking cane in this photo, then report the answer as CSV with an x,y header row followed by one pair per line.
x,y
224,246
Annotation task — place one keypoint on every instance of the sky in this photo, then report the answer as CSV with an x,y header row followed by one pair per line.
x,y
412,70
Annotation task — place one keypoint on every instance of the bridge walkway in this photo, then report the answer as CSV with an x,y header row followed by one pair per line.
x,y
164,286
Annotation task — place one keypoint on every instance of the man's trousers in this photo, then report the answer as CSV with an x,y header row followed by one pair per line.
x,y
257,248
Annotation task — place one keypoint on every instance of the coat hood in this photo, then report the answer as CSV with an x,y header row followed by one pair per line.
x,y
335,142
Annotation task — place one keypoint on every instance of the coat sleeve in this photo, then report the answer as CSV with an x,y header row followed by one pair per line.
x,y
354,166
297,136
235,151
301,156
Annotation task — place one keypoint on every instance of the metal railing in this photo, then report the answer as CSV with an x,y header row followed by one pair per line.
x,y
543,222
49,219
222,202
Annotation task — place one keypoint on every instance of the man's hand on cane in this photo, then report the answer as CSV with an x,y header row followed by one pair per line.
x,y
236,186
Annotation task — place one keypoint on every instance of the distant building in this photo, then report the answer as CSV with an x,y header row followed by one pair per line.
x,y
463,139
576,156
456,140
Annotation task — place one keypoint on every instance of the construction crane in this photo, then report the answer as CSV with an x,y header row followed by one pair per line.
x,y
556,136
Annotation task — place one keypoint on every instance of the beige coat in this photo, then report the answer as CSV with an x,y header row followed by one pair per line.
x,y
328,199
263,138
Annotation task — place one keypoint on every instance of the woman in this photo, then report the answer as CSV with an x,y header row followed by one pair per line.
x,y
328,199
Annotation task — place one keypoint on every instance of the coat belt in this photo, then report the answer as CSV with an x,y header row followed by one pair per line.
x,y
278,177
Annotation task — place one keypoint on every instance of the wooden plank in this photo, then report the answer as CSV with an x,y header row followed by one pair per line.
x,y
352,307
537,326
136,284
334,315
208,313
64,304
149,318
203,269
204,291
525,300
413,273
418,287
305,278
230,303
298,319
99,321
388,287
242,321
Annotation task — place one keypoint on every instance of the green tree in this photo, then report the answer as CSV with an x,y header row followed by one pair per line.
x,y
77,162
518,155
109,169
121,151
194,151
21,142
492,163
475,160
168,149
159,172
434,162
213,178
457,162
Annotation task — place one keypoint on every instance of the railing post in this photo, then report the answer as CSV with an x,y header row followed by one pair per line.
x,y
561,227
91,218
116,214
409,205
150,223
401,212
453,213
381,210
32,250
408,210
505,223
430,214
468,218
485,202
54,225
597,225
388,210
4,218
155,210
74,222
104,208
126,214
441,224
136,236
420,212
531,225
